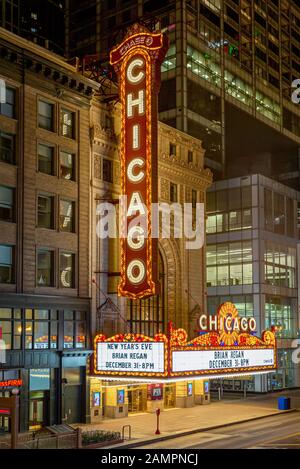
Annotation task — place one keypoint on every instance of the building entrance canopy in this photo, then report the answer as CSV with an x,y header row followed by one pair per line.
x,y
171,357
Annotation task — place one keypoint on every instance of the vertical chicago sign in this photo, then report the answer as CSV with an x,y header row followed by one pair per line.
x,y
137,61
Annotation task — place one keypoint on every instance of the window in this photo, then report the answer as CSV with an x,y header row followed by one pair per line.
x,y
66,216
190,156
147,315
280,265
45,268
67,166
67,264
41,329
67,123
172,149
6,204
74,329
229,264
45,159
6,264
107,170
10,323
173,192
8,108
268,212
7,148
194,198
229,210
46,115
279,214
45,212
243,303
80,329
282,312
290,217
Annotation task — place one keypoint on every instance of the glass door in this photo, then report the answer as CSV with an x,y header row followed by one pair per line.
x,y
169,396
137,399
36,410
4,421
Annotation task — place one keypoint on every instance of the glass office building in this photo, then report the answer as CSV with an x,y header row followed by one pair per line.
x,y
252,235
227,77
41,22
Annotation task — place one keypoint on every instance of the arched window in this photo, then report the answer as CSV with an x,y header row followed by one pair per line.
x,y
147,316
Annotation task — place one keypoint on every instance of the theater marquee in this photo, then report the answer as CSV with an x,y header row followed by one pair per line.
x,y
137,62
227,351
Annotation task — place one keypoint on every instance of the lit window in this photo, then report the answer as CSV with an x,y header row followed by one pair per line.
x,y
66,216
67,120
67,264
67,166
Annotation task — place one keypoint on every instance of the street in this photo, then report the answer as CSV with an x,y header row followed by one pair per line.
x,y
282,431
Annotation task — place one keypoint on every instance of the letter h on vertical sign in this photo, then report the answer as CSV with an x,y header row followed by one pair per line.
x,y
137,61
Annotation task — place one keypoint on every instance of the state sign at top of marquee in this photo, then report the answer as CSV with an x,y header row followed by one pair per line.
x,y
137,61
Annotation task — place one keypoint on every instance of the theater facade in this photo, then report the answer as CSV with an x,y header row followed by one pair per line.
x,y
153,347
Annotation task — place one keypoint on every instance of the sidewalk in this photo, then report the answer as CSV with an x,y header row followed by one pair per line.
x,y
177,421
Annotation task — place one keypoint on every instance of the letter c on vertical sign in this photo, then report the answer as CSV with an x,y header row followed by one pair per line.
x,y
130,174
135,79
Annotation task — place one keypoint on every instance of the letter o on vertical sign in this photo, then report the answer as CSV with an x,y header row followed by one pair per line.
x,y
136,271
137,62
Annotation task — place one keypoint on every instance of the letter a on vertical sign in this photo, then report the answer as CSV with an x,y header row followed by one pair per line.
x,y
137,61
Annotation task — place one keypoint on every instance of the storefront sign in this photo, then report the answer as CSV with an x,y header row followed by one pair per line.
x,y
137,62
11,383
226,351
4,412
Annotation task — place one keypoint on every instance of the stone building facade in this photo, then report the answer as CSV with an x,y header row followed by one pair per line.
x,y
45,279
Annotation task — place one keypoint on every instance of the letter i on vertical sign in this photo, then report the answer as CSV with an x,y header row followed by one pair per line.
x,y
137,61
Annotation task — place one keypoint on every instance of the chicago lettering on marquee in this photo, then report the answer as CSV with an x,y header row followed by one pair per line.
x,y
137,61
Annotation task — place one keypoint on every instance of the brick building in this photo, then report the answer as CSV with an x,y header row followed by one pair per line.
x,y
44,237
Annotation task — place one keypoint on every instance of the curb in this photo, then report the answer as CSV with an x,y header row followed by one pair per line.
x,y
197,430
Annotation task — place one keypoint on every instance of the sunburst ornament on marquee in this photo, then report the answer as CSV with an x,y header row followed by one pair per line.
x,y
227,310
